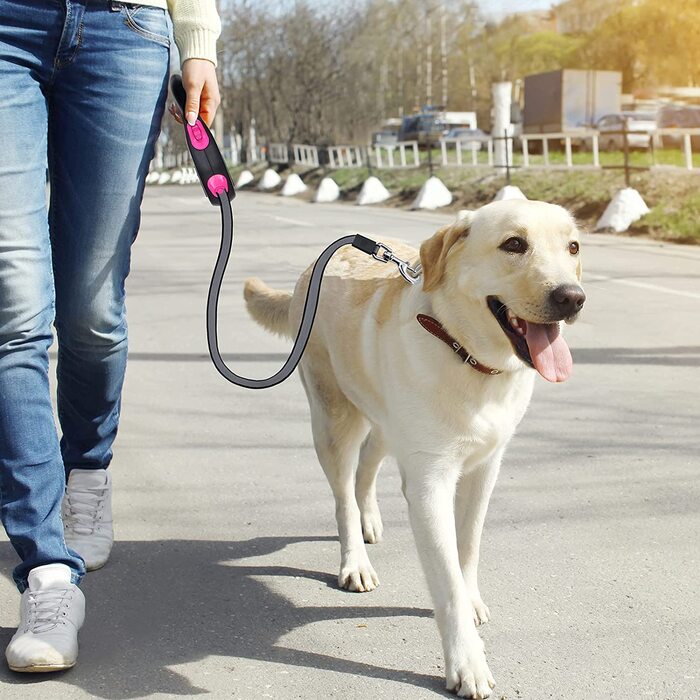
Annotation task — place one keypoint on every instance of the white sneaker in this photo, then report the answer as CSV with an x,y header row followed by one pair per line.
x,y
51,613
87,515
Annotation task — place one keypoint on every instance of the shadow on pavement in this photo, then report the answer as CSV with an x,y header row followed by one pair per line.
x,y
168,602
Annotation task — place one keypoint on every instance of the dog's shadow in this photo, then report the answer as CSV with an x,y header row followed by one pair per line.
x,y
168,602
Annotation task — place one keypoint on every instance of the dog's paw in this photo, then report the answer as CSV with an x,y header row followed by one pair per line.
x,y
357,575
468,675
481,610
372,527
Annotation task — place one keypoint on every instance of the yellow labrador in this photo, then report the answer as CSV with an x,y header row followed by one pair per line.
x,y
443,395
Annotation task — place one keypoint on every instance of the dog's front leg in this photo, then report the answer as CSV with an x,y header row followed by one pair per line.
x,y
429,486
473,494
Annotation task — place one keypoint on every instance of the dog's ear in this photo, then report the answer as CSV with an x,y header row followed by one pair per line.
x,y
433,252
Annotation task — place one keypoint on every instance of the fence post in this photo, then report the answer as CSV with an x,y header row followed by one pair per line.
x,y
545,151
626,148
526,151
596,152
567,146
443,150
687,148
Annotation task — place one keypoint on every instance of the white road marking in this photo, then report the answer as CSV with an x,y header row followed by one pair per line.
x,y
294,222
642,285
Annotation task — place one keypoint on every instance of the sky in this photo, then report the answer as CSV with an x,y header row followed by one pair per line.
x,y
498,8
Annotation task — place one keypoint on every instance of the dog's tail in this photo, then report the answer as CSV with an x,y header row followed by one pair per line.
x,y
268,307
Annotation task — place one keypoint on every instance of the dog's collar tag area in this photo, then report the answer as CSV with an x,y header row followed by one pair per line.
x,y
434,327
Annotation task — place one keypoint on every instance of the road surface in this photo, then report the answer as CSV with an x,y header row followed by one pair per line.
x,y
223,576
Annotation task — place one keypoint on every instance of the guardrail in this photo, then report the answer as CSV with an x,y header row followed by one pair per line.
x,y
568,139
687,139
305,154
384,155
345,156
527,151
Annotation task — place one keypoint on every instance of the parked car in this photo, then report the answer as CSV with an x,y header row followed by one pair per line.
x,y
426,128
470,139
385,138
388,135
641,125
682,117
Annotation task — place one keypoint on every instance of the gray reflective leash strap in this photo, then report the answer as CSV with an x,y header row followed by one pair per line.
x,y
377,250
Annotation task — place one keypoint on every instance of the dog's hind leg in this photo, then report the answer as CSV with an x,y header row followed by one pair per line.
x,y
372,453
471,503
338,429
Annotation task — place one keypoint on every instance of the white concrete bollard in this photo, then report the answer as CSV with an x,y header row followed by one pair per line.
x,y
293,185
269,180
509,192
328,191
626,207
164,178
432,195
244,178
373,192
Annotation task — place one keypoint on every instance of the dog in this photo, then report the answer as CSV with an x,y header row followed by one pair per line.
x,y
437,374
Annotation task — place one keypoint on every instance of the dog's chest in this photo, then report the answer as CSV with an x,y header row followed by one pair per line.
x,y
486,423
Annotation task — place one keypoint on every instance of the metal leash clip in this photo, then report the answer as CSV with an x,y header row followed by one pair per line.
x,y
385,254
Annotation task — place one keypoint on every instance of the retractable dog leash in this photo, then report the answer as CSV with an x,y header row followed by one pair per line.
x,y
219,190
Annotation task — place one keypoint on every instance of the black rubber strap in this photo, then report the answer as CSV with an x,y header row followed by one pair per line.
x,y
366,245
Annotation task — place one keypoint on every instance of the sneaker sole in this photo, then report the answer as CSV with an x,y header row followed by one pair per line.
x,y
41,668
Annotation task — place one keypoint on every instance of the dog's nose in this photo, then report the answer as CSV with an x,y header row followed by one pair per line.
x,y
567,299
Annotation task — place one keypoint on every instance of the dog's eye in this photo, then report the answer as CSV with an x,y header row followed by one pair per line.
x,y
573,247
514,245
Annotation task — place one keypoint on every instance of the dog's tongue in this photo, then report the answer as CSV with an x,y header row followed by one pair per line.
x,y
549,352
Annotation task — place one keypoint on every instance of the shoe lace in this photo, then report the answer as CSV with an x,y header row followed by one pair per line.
x,y
45,608
83,508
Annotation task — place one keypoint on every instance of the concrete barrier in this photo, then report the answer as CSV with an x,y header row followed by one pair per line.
x,y
269,180
372,192
509,192
432,195
293,185
244,178
626,207
328,191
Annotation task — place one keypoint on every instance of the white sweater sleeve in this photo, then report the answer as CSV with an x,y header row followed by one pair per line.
x,y
196,26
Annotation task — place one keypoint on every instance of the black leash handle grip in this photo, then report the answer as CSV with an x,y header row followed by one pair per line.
x,y
206,156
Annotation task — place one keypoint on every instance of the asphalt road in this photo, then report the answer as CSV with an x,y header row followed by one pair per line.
x,y
222,580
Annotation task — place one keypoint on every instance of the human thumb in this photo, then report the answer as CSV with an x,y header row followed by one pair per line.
x,y
192,105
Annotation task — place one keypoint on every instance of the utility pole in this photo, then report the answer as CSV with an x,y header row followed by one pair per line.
x,y
429,60
443,53
402,96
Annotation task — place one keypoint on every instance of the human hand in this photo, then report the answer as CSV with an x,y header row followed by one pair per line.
x,y
202,88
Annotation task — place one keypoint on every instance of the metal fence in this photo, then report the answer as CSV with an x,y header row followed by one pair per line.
x,y
528,151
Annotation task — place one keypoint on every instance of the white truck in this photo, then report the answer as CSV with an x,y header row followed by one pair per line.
x,y
570,101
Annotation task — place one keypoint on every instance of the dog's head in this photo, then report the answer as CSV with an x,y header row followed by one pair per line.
x,y
511,271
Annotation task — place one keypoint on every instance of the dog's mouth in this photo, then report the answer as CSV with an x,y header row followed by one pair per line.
x,y
539,345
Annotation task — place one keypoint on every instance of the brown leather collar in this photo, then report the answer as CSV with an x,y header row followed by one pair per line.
x,y
433,326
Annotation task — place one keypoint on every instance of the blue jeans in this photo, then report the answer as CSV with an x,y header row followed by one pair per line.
x,y
83,89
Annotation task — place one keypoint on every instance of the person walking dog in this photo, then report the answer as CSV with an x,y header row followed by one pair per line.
x,y
84,86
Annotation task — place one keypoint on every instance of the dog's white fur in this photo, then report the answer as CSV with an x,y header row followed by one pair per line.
x,y
379,384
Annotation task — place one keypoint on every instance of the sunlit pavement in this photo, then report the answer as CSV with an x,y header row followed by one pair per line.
x,y
222,580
